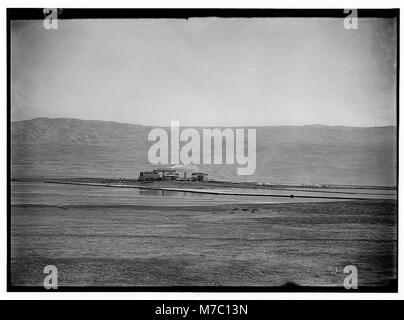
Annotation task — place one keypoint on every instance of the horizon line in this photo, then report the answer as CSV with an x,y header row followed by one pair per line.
x,y
209,126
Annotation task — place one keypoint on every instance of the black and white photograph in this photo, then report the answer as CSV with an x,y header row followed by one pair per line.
x,y
203,150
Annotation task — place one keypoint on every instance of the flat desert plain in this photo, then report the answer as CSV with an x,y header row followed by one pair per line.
x,y
124,237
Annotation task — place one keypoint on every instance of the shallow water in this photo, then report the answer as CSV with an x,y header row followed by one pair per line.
x,y
67,194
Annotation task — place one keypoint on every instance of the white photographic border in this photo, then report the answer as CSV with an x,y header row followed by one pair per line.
x,y
172,295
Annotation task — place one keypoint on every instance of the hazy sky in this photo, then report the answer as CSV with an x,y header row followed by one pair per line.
x,y
210,71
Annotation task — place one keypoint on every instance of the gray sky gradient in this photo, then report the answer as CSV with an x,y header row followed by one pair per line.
x,y
207,72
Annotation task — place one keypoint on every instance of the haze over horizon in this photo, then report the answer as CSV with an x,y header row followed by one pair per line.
x,y
206,72
196,126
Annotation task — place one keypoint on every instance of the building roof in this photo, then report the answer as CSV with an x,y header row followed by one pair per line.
x,y
164,170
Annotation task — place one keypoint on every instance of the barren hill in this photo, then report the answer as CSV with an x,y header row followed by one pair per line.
x,y
294,154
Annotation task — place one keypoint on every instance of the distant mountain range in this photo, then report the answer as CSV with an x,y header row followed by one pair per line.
x,y
291,154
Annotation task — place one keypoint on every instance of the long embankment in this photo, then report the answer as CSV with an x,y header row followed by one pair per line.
x,y
202,189
223,188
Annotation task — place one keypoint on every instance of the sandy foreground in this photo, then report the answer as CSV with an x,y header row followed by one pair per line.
x,y
306,244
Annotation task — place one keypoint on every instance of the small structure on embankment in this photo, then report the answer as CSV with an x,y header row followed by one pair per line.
x,y
161,174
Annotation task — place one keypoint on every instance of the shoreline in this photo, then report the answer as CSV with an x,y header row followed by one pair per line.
x,y
202,188
233,207
204,184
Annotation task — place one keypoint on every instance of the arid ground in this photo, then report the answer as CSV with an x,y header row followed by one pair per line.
x,y
108,238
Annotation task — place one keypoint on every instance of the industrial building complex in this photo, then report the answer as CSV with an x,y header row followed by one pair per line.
x,y
170,174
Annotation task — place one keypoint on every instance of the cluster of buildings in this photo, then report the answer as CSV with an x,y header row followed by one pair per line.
x,y
170,174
